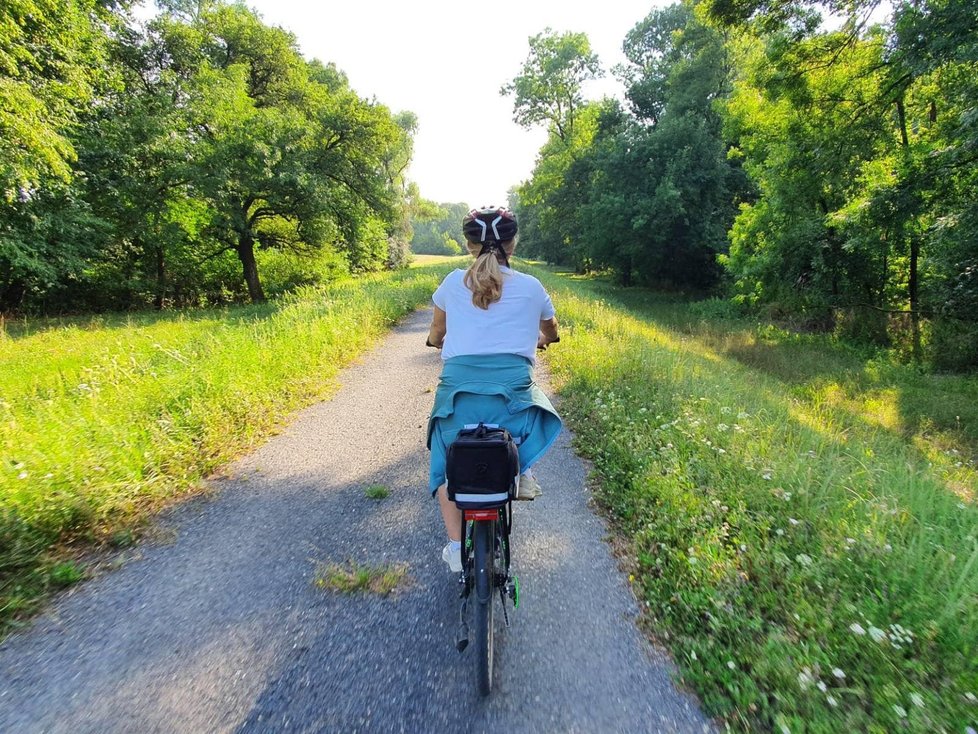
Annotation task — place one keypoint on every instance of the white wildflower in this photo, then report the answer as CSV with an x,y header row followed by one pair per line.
x,y
743,416
831,700
804,559
779,531
877,634
822,687
743,547
970,697
857,628
917,700
22,475
692,655
793,521
838,673
722,427
731,664
900,711
805,678
766,476
785,729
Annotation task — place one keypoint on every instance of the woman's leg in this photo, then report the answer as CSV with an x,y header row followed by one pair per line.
x,y
450,514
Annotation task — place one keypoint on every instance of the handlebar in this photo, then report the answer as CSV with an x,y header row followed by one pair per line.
x,y
428,343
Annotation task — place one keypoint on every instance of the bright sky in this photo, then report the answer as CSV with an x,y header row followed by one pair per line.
x,y
445,60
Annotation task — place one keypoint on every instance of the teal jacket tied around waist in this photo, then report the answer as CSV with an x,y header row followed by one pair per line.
x,y
494,388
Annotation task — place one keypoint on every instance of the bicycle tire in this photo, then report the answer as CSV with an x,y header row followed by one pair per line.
x,y
484,569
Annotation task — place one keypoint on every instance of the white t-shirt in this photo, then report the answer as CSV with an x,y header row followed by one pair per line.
x,y
511,325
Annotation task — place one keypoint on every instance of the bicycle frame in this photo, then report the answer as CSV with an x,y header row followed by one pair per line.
x,y
504,515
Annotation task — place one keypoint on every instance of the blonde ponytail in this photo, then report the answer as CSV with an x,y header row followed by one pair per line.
x,y
485,280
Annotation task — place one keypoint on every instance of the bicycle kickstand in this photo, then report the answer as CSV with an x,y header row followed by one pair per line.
x,y
462,633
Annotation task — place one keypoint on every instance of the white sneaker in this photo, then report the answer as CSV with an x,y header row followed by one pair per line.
x,y
452,557
528,488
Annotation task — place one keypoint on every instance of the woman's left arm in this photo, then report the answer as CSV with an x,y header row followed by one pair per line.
x,y
436,334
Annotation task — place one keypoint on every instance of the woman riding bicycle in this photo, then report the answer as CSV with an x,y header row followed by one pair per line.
x,y
489,321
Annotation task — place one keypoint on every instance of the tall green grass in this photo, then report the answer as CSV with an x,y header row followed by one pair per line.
x,y
104,419
800,518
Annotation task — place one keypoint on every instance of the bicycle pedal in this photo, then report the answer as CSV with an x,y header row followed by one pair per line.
x,y
513,591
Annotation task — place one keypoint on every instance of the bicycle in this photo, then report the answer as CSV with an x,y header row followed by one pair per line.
x,y
486,504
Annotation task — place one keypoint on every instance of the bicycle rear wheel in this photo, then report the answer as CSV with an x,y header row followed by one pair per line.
x,y
484,569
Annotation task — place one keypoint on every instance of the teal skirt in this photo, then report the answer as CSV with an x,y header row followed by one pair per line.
x,y
495,388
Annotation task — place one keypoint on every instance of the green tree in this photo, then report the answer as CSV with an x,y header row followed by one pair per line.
x,y
648,195
548,88
285,155
863,189
437,228
51,54
51,61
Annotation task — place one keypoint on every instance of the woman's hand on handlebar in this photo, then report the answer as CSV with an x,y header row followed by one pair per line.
x,y
543,342
548,333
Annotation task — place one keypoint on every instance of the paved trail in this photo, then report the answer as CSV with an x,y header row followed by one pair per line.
x,y
221,630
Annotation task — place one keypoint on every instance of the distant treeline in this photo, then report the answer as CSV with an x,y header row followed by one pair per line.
x,y
191,159
829,176
437,228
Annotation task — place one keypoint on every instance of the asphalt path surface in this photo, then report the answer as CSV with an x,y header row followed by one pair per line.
x,y
220,628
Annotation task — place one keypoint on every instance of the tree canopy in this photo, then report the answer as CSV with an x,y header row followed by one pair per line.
x,y
824,171
204,138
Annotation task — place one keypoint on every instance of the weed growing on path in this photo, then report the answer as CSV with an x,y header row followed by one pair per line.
x,y
354,577
377,492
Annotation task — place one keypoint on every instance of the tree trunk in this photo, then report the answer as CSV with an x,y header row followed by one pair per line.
x,y
246,253
160,280
914,295
912,285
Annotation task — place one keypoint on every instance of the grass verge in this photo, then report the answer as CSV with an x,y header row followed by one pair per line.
x,y
104,420
800,518
355,577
